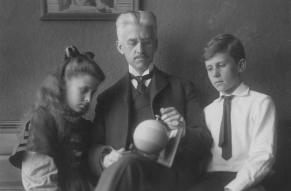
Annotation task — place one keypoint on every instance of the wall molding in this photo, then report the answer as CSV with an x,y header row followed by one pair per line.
x,y
10,178
10,126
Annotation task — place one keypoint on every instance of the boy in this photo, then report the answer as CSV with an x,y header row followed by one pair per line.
x,y
242,122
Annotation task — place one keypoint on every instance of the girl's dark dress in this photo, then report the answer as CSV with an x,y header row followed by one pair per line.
x,y
65,140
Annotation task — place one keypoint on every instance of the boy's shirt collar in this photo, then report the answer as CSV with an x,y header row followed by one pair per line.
x,y
241,90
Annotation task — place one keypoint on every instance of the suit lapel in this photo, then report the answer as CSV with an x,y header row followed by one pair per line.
x,y
124,88
159,82
124,107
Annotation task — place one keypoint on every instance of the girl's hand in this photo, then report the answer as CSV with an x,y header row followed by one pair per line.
x,y
112,157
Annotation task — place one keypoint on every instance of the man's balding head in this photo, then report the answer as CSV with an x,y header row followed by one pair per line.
x,y
143,18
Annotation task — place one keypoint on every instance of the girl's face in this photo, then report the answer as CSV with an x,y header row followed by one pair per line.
x,y
79,92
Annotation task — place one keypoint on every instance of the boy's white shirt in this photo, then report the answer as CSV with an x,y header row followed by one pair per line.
x,y
253,122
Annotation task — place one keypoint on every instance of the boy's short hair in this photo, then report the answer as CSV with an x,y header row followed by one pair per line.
x,y
225,43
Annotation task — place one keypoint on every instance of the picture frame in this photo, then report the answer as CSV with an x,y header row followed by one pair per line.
x,y
104,10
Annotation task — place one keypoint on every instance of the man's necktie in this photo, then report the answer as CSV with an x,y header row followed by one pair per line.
x,y
225,129
141,87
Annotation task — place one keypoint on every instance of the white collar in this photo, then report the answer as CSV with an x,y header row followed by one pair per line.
x,y
241,90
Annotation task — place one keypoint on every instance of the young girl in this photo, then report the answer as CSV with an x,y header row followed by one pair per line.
x,y
53,152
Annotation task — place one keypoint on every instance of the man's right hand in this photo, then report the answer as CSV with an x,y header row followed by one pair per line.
x,y
112,157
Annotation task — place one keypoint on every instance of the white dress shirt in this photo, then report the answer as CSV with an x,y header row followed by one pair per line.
x,y
133,72
253,123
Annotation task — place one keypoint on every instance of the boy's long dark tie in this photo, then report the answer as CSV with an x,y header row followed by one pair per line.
x,y
141,87
225,129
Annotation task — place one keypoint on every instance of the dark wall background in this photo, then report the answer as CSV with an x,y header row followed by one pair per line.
x,y
30,48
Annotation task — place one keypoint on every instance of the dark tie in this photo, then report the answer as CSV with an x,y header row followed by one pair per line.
x,y
141,87
225,129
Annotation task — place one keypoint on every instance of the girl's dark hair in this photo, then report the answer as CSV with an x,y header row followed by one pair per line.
x,y
77,63
52,91
225,43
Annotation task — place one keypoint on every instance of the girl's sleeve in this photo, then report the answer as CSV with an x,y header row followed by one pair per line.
x,y
39,134
39,172
43,135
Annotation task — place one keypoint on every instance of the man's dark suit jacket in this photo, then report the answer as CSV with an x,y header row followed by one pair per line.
x,y
113,114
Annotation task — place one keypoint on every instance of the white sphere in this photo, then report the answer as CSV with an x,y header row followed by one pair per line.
x,y
150,136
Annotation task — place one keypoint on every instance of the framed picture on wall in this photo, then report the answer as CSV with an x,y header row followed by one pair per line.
x,y
85,9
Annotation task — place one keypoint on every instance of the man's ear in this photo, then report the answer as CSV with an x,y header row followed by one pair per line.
x,y
156,44
242,65
119,47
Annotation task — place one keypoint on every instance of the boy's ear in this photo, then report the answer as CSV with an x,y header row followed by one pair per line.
x,y
242,65
119,47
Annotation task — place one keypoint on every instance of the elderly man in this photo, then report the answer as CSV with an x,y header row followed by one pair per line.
x,y
142,93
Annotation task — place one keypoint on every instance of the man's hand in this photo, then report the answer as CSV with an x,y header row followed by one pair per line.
x,y
112,157
173,118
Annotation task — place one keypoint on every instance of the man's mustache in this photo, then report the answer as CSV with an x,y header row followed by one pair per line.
x,y
140,57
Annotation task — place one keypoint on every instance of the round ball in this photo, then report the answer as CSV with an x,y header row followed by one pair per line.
x,y
150,136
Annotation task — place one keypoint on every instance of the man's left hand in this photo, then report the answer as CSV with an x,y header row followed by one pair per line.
x,y
173,118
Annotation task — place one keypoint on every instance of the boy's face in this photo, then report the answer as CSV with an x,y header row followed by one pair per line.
x,y
223,72
137,43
